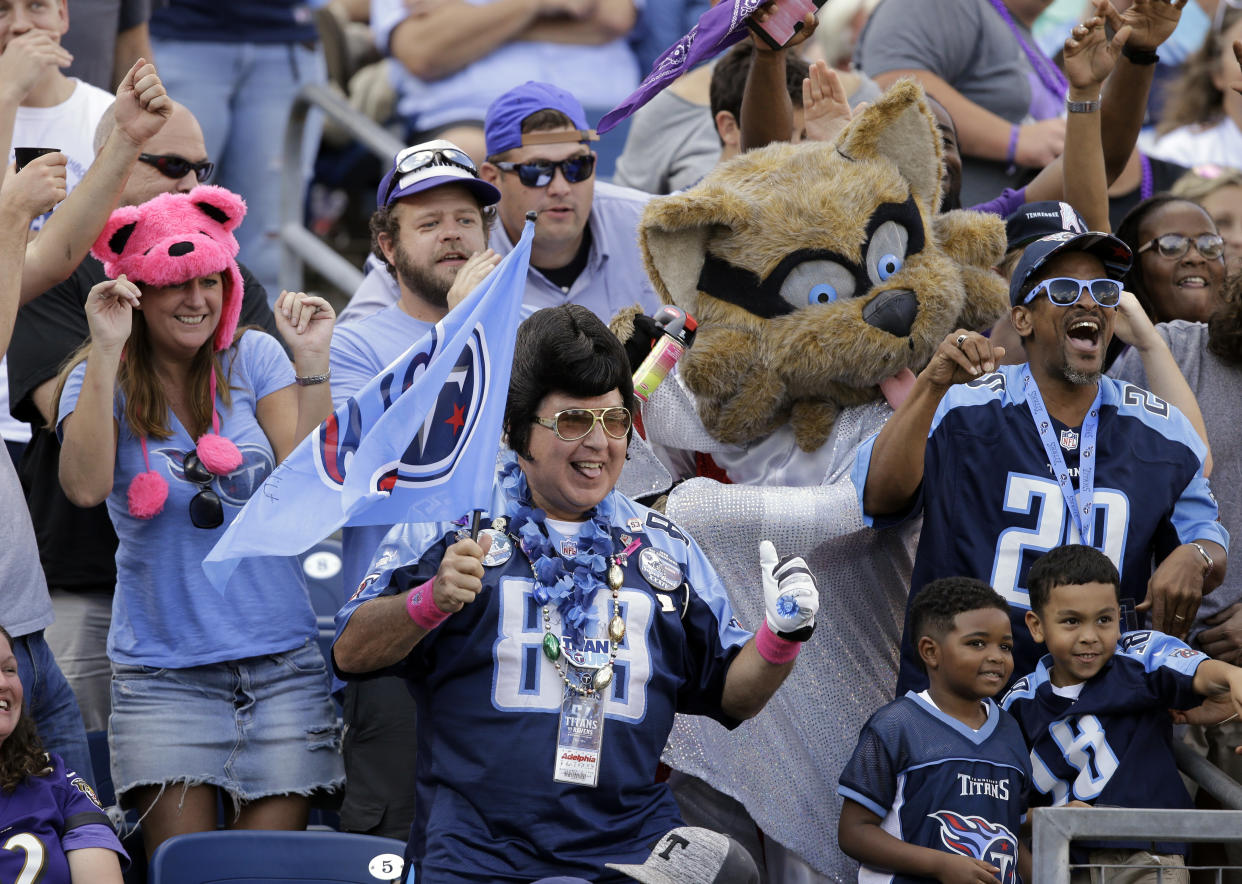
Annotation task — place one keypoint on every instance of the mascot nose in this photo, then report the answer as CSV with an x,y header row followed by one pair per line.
x,y
178,249
892,311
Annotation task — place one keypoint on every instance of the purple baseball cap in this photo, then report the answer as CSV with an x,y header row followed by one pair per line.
x,y
502,126
432,164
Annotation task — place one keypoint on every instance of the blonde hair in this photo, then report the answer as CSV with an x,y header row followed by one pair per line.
x,y
1197,186
1193,97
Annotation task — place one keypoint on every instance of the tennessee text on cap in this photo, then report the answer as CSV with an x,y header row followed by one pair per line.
x,y
1113,252
502,126
433,164
1042,218
689,855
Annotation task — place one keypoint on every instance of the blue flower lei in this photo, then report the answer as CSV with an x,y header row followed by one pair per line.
x,y
569,581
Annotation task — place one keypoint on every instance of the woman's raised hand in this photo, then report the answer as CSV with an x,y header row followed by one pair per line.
x,y
109,312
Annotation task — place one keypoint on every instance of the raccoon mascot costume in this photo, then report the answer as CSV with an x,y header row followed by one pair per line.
x,y
822,277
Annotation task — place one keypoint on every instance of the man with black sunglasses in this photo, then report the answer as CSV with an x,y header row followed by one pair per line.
x,y
585,249
1007,462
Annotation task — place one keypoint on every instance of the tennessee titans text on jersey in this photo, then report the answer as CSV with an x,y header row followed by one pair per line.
x,y
937,783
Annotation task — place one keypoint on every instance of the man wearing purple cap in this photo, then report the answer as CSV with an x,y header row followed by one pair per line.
x,y
586,242
1007,462
430,232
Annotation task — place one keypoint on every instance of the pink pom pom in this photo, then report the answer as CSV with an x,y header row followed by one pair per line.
x,y
146,495
219,455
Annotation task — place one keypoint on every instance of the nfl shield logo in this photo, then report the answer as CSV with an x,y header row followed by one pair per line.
x,y
1069,440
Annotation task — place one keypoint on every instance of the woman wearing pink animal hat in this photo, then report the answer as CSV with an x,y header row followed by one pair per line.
x,y
174,417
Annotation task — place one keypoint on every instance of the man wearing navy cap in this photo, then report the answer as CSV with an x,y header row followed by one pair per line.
x,y
1007,462
585,249
430,232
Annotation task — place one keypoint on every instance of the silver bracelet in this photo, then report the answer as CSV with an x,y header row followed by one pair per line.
x,y
1082,107
312,380
1208,564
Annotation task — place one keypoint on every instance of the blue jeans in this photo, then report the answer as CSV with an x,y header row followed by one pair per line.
x,y
52,704
241,94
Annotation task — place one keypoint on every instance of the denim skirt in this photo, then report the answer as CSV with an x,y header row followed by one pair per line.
x,y
255,727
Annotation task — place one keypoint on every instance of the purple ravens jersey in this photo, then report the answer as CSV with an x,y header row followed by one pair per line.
x,y
937,783
1113,744
43,819
489,703
992,506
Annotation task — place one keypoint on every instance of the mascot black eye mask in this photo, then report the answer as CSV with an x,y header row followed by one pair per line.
x,y
819,271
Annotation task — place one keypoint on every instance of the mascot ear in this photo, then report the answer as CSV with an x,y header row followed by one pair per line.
x,y
220,205
673,238
900,128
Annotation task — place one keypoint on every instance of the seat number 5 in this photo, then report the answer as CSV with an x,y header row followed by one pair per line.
x,y
1039,496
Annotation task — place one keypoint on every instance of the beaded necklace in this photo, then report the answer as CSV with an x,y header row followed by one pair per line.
x,y
1049,74
572,581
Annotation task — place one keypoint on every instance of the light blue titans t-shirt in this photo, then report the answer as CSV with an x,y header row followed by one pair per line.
x,y
165,613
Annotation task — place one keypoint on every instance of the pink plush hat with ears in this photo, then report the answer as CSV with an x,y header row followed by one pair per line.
x,y
176,237
168,240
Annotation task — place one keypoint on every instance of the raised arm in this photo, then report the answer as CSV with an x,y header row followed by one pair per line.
x,y
896,467
88,446
288,416
791,601
766,110
141,109
23,63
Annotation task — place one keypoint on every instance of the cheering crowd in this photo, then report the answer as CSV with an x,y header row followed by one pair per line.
x,y
502,689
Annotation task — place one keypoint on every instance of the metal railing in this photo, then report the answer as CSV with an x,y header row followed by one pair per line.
x,y
1055,827
299,247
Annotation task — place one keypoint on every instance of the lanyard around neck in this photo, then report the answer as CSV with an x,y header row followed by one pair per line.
x,y
1080,502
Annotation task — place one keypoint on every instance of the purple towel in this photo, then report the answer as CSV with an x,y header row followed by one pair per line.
x,y
718,29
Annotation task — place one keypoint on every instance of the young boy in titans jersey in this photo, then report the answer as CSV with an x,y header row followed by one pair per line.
x,y
937,785
1095,710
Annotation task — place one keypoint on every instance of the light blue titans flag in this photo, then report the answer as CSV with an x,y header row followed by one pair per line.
x,y
417,444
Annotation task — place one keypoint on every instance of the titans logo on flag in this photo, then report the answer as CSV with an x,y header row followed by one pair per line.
x,y
433,454
975,837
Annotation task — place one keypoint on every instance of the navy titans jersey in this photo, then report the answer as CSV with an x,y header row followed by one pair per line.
x,y
1113,745
991,505
936,783
43,818
489,704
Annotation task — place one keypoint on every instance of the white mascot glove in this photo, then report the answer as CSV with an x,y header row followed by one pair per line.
x,y
789,594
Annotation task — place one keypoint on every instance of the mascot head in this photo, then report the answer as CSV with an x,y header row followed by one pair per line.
x,y
818,271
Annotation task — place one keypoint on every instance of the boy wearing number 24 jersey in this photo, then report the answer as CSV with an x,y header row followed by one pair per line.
x,y
1094,711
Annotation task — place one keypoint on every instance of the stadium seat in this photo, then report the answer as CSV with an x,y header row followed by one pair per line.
x,y
263,857
322,566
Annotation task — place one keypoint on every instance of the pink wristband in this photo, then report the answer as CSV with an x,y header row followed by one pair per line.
x,y
773,648
420,604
